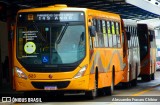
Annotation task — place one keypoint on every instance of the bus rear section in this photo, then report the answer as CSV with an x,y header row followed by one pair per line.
x,y
147,52
133,55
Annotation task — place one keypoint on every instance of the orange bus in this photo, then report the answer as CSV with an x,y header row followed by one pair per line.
x,y
147,51
133,54
63,49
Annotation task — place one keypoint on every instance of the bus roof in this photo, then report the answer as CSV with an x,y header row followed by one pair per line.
x,y
63,7
57,7
104,14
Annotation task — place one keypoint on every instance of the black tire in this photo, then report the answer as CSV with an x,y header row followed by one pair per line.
x,y
134,82
113,80
102,92
110,90
152,77
126,84
93,93
146,78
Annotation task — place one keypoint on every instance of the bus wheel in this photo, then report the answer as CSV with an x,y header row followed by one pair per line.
x,y
110,90
146,78
134,81
152,76
126,85
93,93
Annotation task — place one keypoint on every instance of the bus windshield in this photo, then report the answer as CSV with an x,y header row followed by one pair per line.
x,y
50,42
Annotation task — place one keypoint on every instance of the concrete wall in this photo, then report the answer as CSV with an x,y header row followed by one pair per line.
x,y
3,40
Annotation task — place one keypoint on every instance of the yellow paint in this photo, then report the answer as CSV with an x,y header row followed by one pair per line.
x,y
144,91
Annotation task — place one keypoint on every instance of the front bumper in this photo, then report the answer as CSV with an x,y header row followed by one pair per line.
x,y
81,83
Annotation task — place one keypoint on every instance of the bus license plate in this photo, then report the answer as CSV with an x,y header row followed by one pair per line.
x,y
50,88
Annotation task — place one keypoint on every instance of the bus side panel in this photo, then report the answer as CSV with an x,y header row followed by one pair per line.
x,y
104,60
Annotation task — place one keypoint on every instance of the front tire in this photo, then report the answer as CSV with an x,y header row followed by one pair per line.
x,y
93,93
152,76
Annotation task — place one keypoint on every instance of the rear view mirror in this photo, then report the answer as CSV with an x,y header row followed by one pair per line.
x,y
92,31
128,35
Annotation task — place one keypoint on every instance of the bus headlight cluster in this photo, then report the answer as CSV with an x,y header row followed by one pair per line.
x,y
81,72
20,73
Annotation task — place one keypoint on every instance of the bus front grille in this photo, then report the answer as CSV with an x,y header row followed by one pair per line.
x,y
59,85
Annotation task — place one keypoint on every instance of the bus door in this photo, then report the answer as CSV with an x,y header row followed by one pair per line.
x,y
92,32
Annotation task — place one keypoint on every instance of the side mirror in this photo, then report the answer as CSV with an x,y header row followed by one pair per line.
x,y
151,38
92,31
128,35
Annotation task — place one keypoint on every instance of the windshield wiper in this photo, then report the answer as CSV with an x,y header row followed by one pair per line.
x,y
62,33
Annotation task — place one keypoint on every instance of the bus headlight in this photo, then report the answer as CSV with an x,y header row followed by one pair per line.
x,y
20,73
81,72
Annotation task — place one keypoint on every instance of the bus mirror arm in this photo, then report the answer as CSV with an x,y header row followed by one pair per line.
x,y
128,35
92,31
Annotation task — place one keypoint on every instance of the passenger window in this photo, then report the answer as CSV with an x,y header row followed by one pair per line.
x,y
96,37
100,34
109,33
114,35
118,34
104,33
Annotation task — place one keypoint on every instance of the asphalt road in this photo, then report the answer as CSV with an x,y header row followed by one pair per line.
x,y
145,93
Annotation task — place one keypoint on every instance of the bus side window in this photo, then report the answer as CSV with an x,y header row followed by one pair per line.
x,y
95,38
118,34
134,36
91,37
109,33
100,34
123,39
114,39
105,36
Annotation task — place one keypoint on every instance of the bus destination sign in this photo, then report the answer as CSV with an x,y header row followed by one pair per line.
x,y
53,16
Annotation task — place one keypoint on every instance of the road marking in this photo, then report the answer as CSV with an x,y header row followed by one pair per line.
x,y
144,91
